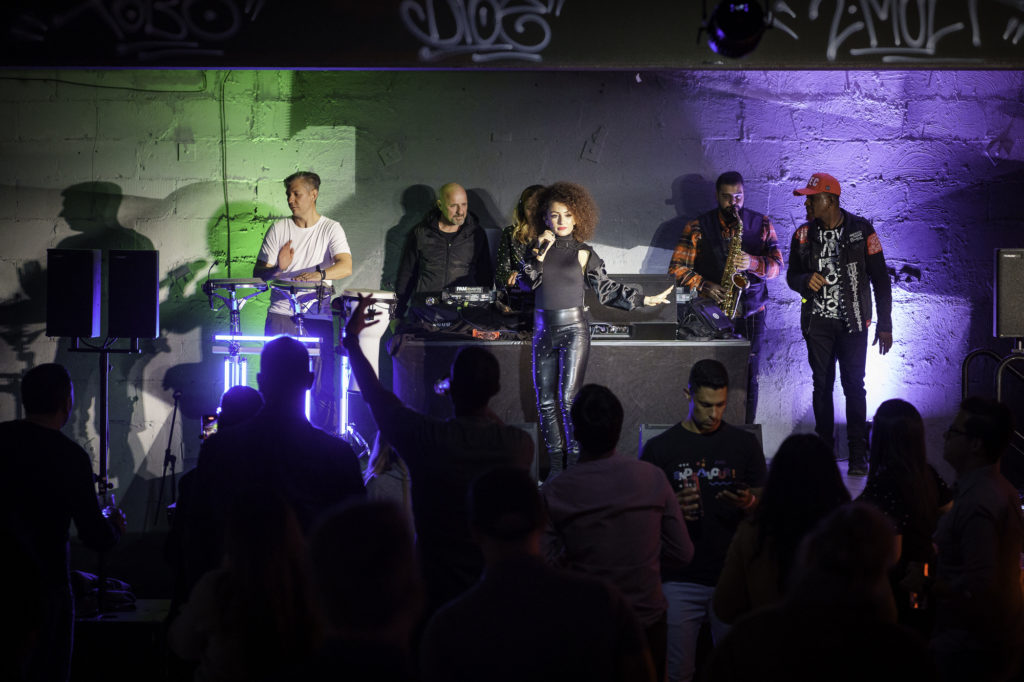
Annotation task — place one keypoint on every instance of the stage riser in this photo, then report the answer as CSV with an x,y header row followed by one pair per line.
x,y
647,376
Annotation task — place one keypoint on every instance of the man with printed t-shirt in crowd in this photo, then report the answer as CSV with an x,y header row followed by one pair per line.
x,y
307,247
716,470
835,259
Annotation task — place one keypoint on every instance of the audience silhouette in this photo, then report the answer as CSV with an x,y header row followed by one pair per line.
x,y
255,616
903,486
364,566
616,518
238,404
803,486
817,587
277,450
524,620
443,457
837,622
978,628
54,487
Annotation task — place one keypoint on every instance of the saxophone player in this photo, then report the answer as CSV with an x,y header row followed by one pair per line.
x,y
703,251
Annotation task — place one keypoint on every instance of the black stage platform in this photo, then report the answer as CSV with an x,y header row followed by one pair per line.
x,y
647,376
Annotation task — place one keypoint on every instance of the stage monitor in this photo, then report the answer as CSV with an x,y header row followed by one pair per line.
x,y
1009,294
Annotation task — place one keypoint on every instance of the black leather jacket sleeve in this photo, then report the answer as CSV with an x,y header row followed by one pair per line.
x,y
610,292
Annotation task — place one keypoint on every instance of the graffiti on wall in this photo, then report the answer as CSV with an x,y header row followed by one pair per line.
x,y
149,29
901,31
486,30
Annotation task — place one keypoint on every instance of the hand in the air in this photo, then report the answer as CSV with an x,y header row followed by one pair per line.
x,y
357,321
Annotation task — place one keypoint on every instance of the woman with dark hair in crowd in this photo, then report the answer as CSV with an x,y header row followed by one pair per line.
x,y
255,617
836,622
911,493
514,241
557,267
803,487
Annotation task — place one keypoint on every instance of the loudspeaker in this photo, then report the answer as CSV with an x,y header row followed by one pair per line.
x,y
73,282
133,294
649,323
1008,316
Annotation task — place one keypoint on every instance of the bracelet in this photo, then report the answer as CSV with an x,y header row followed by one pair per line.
x,y
751,502
323,273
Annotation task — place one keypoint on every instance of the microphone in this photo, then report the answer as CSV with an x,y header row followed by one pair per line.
x,y
540,251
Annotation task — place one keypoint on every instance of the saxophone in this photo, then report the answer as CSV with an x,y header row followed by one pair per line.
x,y
733,280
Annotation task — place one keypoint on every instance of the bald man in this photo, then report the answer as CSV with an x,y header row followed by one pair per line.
x,y
448,248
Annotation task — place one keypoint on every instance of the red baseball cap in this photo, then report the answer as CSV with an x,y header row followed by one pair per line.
x,y
819,182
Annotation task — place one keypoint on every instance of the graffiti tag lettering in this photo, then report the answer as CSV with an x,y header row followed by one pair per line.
x,y
910,34
484,29
154,28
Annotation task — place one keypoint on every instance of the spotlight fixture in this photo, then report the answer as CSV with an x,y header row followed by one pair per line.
x,y
735,28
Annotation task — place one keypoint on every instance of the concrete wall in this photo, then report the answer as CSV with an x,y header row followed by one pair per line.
x,y
98,159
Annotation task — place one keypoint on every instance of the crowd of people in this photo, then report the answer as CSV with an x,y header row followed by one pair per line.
x,y
607,571
697,560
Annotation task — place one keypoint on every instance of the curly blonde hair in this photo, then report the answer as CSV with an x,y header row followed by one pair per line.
x,y
576,198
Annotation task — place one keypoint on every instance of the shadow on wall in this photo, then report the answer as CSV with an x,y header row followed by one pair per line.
x,y
488,216
416,201
91,209
186,310
691,196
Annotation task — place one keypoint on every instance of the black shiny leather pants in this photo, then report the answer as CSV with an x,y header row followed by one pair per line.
x,y
561,345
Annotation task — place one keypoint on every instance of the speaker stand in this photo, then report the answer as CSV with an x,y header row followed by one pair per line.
x,y
103,486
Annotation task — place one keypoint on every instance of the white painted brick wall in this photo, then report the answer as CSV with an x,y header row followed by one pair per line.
x,y
934,158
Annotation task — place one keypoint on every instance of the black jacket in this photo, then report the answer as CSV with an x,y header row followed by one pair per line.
x,y
711,258
861,263
609,292
433,260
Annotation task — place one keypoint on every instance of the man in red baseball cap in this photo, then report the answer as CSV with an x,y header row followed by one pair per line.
x,y
835,259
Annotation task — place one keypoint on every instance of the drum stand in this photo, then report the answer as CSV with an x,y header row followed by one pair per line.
x,y
347,429
236,366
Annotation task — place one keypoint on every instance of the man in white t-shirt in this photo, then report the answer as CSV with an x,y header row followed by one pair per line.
x,y
307,247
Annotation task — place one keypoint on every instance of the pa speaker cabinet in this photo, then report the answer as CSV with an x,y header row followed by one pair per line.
x,y
133,294
1009,293
73,282
647,323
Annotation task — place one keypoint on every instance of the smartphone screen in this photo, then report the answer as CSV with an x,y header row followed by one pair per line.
x,y
209,426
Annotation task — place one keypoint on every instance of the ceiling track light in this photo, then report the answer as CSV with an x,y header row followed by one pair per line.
x,y
734,28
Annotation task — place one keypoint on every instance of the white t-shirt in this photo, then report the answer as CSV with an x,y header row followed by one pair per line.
x,y
314,245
